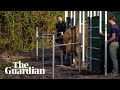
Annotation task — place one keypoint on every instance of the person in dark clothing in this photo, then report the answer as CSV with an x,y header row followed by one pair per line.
x,y
60,26
60,29
113,43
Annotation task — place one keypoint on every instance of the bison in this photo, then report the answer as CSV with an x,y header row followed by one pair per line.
x,y
71,35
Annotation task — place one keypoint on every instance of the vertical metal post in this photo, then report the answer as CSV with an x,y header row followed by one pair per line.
x,y
70,56
66,55
36,43
80,41
80,21
61,57
53,57
94,13
43,53
88,13
71,15
90,40
83,39
100,22
98,13
74,23
105,43
66,15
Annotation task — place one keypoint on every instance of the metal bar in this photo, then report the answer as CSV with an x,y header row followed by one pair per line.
x,y
53,57
73,31
47,34
94,48
66,55
70,58
79,41
79,21
90,40
71,15
98,13
95,59
95,27
83,38
105,43
67,44
94,13
45,37
88,13
79,55
61,57
43,54
66,15
74,23
36,43
95,37
100,22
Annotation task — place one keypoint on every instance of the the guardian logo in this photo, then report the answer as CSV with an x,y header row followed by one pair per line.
x,y
23,68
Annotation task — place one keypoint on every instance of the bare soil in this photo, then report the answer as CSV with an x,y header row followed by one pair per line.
x,y
61,72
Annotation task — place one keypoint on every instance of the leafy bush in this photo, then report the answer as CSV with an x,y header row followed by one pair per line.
x,y
17,28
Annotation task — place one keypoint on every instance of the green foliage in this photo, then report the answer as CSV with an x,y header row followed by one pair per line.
x,y
17,28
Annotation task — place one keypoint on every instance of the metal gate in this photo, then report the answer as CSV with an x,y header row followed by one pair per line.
x,y
94,43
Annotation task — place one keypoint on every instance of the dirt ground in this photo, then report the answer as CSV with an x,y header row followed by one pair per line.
x,y
61,72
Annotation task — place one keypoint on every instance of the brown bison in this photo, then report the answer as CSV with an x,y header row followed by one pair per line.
x,y
71,35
